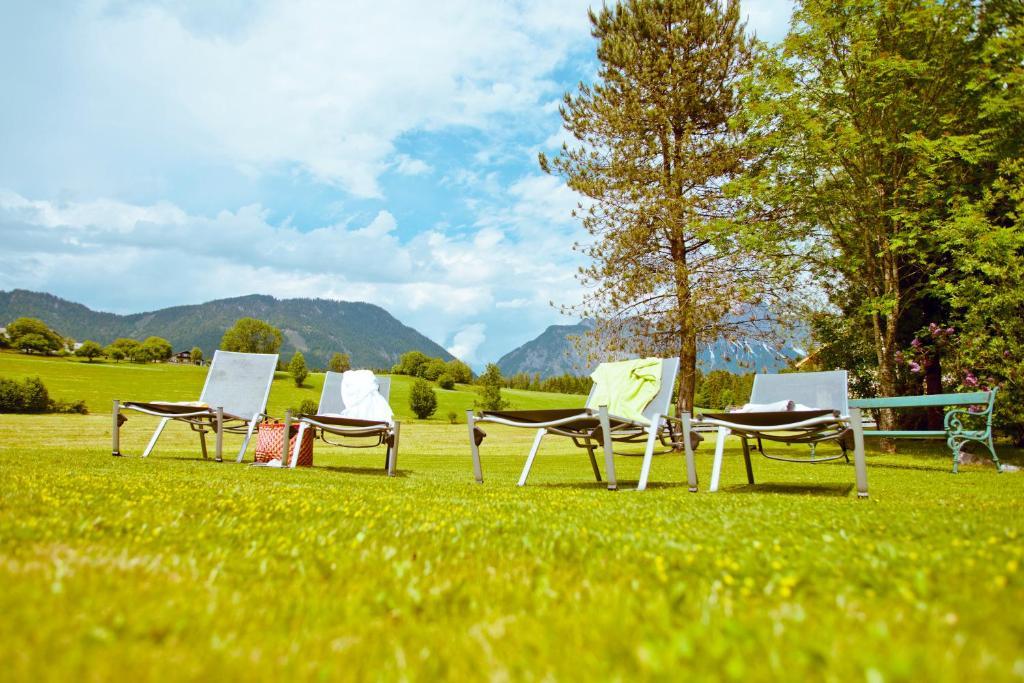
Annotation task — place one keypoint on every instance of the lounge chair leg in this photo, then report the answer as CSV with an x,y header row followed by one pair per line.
x,y
156,435
115,440
691,466
297,448
609,456
393,459
859,463
248,438
716,468
746,458
593,462
202,444
287,427
219,450
530,458
478,472
652,438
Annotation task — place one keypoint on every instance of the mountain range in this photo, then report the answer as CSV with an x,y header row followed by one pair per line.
x,y
371,336
553,353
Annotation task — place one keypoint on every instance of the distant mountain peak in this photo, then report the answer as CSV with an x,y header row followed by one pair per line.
x,y
553,353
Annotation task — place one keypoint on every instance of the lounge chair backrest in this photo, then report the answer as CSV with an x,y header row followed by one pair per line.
x,y
330,397
812,389
239,382
662,402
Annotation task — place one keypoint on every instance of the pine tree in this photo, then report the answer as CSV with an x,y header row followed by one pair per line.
x,y
297,368
673,264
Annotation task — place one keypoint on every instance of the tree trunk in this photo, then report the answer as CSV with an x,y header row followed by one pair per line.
x,y
687,371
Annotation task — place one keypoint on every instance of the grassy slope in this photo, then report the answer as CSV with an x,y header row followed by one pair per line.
x,y
175,568
99,383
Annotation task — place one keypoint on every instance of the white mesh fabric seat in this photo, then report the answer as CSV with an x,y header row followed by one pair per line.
x,y
235,396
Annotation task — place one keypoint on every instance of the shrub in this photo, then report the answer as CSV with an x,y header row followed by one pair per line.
x,y
77,407
422,399
306,407
196,354
297,367
27,396
446,381
453,418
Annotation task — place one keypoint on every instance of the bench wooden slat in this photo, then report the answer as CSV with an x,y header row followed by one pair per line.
x,y
894,434
973,398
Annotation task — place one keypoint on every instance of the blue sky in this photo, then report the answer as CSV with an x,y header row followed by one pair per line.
x,y
156,153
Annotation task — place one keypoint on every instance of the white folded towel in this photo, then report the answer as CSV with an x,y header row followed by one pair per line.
x,y
776,407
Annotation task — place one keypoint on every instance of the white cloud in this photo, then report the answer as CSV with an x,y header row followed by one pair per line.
x,y
327,87
407,165
466,342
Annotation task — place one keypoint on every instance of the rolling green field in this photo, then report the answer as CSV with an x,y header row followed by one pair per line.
x,y
175,568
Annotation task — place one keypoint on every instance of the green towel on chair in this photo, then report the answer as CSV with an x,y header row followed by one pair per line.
x,y
626,387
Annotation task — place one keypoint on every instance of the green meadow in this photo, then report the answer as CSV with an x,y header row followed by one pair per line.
x,y
176,568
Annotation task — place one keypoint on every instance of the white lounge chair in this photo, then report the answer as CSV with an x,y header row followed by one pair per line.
x,y
234,399
829,418
326,422
592,426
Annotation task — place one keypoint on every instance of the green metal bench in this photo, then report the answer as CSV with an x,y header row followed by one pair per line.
x,y
955,432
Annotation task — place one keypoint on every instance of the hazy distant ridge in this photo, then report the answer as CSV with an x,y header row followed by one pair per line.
x,y
317,327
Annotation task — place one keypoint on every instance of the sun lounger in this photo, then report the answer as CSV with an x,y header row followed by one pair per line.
x,y
821,413
233,399
331,421
593,426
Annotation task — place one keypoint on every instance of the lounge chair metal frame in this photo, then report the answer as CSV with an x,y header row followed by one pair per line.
x,y
331,402
216,419
805,428
591,428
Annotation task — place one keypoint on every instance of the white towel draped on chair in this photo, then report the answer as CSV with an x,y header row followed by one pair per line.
x,y
361,397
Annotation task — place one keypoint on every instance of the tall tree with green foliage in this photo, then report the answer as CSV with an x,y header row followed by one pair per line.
x,y
89,350
872,112
297,368
32,335
339,362
250,335
157,349
675,260
491,382
196,354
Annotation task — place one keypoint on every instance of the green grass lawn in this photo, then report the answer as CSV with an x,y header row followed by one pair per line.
x,y
183,569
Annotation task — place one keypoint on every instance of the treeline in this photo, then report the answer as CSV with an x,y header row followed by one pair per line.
x,y
446,373
562,384
721,389
33,336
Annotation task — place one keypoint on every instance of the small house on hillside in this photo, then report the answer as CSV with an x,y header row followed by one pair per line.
x,y
183,357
